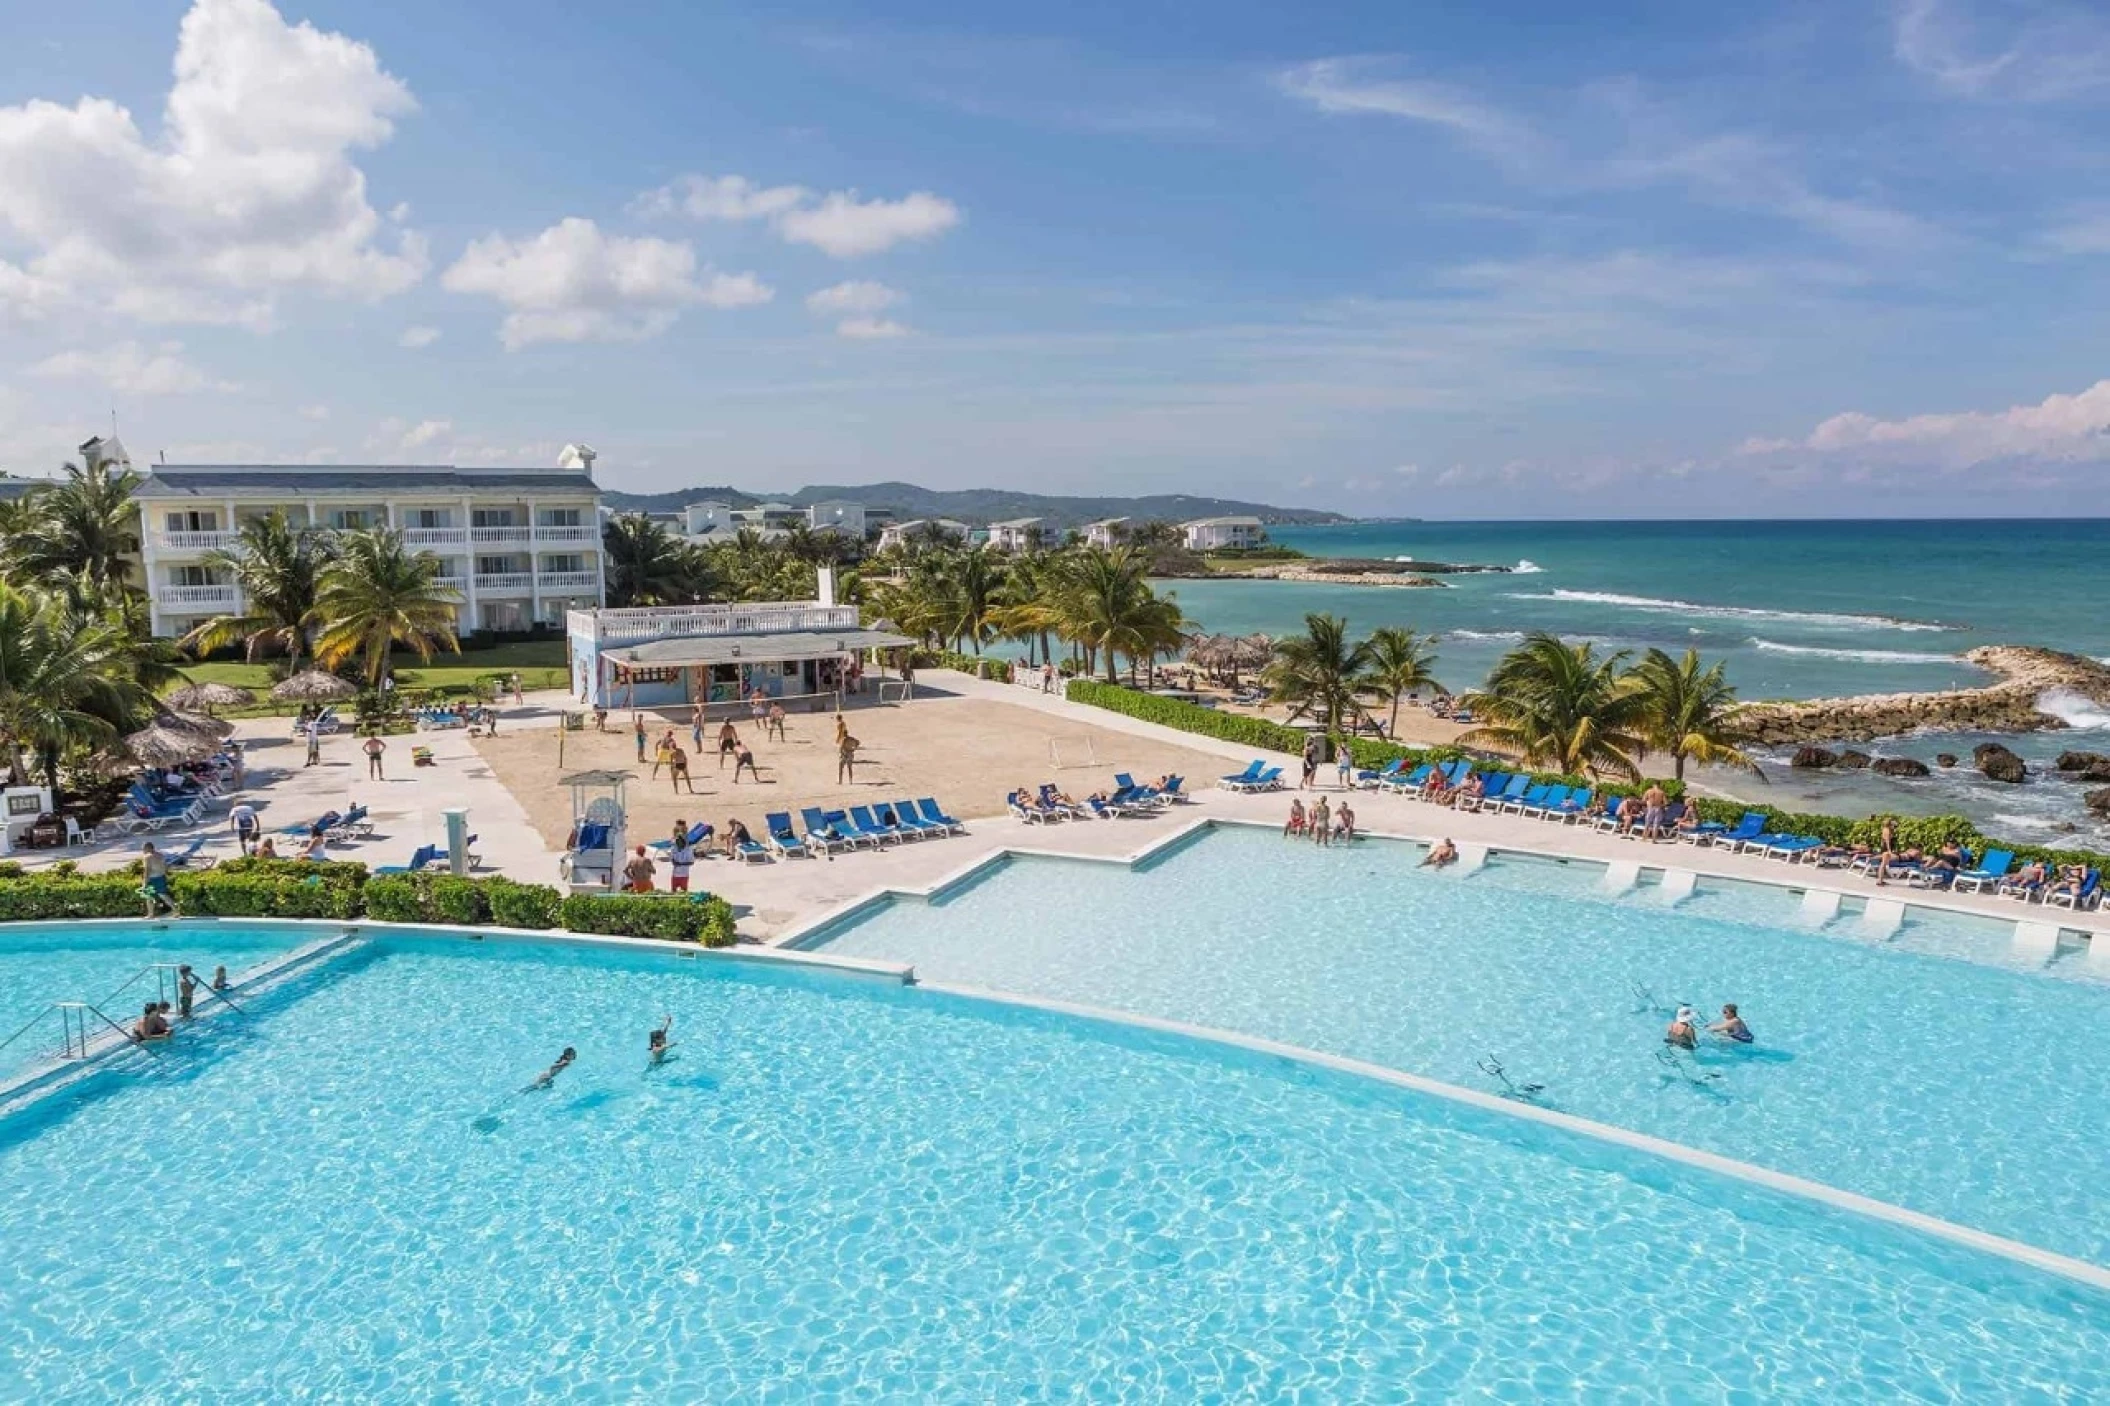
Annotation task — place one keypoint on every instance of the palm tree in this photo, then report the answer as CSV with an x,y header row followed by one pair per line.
x,y
1690,712
977,578
85,524
1317,671
377,594
279,569
1400,662
1104,602
1554,704
647,564
66,683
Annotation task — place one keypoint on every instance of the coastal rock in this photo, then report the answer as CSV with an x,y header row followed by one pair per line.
x,y
2096,771
2081,761
1898,766
1813,758
1997,763
1945,760
2023,675
1850,760
2098,800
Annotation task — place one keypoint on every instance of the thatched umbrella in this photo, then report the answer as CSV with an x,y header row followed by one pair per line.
x,y
215,728
1253,651
171,740
195,697
314,686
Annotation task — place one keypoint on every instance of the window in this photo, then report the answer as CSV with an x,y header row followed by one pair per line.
x,y
192,576
491,517
349,519
428,517
496,566
563,561
560,517
193,522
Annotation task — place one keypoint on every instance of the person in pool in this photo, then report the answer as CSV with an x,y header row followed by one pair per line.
x,y
549,1075
657,1045
1440,855
1684,1031
152,1024
1731,1026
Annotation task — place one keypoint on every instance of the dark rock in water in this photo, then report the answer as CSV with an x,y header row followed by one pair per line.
x,y
1898,766
1988,749
1997,763
2066,827
1945,760
1854,761
2081,761
1812,757
2098,800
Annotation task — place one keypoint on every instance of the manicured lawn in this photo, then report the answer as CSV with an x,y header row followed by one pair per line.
x,y
541,664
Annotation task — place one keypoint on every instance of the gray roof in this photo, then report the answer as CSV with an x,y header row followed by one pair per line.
x,y
13,488
331,480
726,649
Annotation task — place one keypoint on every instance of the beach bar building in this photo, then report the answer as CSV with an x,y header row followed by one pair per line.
x,y
671,656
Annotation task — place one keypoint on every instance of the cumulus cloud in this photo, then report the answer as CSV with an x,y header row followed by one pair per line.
x,y
869,329
249,190
573,283
315,412
719,198
134,369
2059,427
857,295
844,227
415,337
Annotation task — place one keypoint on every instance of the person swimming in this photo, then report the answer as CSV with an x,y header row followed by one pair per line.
x,y
657,1045
549,1075
1683,1032
1731,1026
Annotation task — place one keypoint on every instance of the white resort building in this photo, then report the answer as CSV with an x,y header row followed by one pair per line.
x,y
714,520
1018,535
521,546
1215,534
1107,532
896,534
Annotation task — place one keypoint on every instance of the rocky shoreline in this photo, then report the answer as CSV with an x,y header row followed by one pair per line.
x,y
2024,674
1408,575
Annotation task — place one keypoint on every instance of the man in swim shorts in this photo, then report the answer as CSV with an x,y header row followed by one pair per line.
x,y
1731,1026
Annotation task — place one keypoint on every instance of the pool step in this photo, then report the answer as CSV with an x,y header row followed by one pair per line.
x,y
2099,951
1677,886
1819,906
1619,876
1471,859
2036,941
1882,918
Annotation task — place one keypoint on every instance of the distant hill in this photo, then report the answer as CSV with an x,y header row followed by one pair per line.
x,y
977,506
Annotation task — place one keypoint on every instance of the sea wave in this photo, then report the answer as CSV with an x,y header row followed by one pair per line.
x,y
1731,612
1507,636
1859,656
2079,712
1526,567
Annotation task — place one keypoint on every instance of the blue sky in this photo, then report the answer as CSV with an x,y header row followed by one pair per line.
x,y
1537,260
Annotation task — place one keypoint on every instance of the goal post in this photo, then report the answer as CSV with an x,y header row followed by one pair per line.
x,y
1078,754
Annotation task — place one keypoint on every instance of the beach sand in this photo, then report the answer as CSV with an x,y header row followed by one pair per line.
x,y
967,752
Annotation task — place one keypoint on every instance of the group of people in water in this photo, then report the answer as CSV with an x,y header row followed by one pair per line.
x,y
1684,1030
659,1047
157,1020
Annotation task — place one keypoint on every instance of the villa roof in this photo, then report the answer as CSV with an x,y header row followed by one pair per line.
x,y
1019,522
335,480
783,645
1223,522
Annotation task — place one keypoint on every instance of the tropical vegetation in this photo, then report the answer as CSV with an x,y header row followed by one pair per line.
x,y
279,569
375,594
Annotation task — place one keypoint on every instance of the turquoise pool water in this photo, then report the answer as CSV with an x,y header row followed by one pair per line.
x,y
845,1191
42,964
1925,1072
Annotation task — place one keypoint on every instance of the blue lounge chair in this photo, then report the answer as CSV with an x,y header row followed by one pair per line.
x,y
424,855
820,834
1516,789
843,828
905,817
1368,780
1171,793
1268,780
1532,797
699,833
1400,782
1990,871
1749,828
1025,808
2089,895
1240,778
930,810
327,819
866,823
1792,847
190,858
782,838
1051,802
1553,797
752,852
1573,809
1112,809
1931,873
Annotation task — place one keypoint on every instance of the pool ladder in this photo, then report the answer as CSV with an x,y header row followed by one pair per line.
x,y
167,983
80,1024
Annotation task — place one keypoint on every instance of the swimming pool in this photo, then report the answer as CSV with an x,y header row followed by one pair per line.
x,y
845,1189
1966,1089
44,963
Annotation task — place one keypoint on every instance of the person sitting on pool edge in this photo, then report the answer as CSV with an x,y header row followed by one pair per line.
x,y
1344,822
1683,1032
1440,855
152,1024
1295,825
1731,1025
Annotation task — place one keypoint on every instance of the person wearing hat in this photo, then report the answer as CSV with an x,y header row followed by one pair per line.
x,y
1684,1029
1731,1026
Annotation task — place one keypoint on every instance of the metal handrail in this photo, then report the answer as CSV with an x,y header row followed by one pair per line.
x,y
30,1026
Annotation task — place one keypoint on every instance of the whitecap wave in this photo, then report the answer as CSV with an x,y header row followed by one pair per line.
x,y
1821,619
1858,656
1506,636
2077,712
1526,567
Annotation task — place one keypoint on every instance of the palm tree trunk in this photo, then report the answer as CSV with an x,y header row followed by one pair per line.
x,y
1392,728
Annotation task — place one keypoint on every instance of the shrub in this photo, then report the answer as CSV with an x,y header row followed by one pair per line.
x,y
394,898
703,918
45,897
516,905
1188,717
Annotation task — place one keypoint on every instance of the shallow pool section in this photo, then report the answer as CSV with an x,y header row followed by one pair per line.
x,y
1968,1089
842,1190
107,965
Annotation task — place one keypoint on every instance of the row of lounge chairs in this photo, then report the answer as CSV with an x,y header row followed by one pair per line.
x,y
829,831
1126,799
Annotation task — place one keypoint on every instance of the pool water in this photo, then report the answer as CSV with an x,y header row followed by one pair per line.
x,y
1967,1089
839,1189
41,964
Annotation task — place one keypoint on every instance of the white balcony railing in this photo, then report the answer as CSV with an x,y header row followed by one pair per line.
x,y
663,622
435,537
569,580
550,532
505,583
457,584
195,541
519,532
210,597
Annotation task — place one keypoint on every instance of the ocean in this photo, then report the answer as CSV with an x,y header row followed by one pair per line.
x,y
1795,609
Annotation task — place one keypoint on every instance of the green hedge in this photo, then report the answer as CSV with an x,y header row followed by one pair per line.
x,y
981,666
1188,717
292,888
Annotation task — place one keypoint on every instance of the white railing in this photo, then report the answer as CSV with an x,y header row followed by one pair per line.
x,y
664,622
552,532
518,532
216,596
457,584
195,541
434,537
569,580
520,582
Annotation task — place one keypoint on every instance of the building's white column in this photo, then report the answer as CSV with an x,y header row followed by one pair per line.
x,y
469,616
227,525
313,520
147,563
534,570
390,509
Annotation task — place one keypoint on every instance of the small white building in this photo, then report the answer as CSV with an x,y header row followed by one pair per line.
x,y
1217,534
847,519
1107,532
896,534
709,516
1021,534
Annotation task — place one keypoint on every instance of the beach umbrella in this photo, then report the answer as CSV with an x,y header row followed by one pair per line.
x,y
314,686
195,697
1253,651
216,728
171,740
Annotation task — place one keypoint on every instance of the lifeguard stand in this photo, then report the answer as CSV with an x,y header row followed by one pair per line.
x,y
597,813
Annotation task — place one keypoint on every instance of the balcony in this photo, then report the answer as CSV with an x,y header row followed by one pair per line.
x,y
550,532
457,583
435,537
569,581
513,583
194,541
484,536
198,597
667,622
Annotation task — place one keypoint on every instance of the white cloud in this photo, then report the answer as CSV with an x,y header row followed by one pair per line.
x,y
844,227
2081,232
249,190
869,329
134,369
719,198
1344,86
2049,51
2059,427
415,337
424,432
315,412
857,295
572,283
